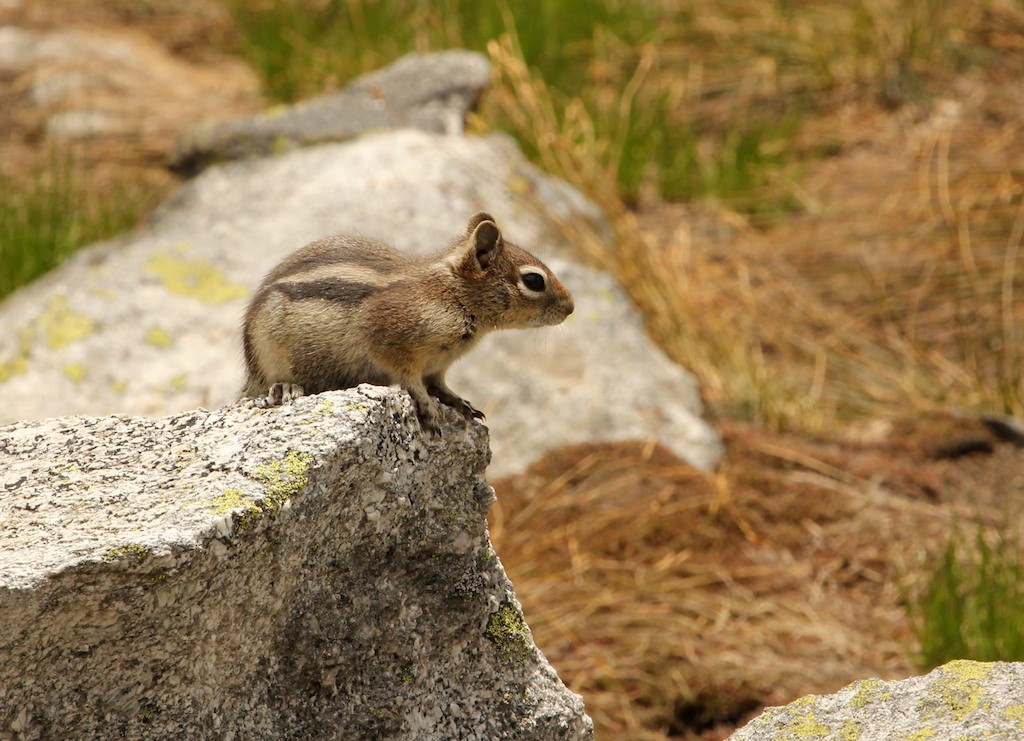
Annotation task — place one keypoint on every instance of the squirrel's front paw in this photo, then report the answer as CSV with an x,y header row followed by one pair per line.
x,y
463,407
280,393
469,411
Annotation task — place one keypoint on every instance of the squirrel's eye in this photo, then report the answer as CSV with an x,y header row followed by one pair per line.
x,y
533,281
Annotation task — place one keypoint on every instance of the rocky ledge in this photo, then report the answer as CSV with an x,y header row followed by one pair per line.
x,y
321,570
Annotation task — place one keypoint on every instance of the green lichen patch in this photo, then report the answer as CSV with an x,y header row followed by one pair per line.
x,y
148,711
281,144
507,632
60,326
282,479
130,553
158,576
488,556
244,512
194,278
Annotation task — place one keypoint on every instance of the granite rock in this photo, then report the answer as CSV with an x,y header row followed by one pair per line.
x,y
960,700
321,570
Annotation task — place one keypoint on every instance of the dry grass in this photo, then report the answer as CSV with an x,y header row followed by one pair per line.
x,y
893,283
677,602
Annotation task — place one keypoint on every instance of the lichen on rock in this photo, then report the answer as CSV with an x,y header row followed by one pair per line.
x,y
960,700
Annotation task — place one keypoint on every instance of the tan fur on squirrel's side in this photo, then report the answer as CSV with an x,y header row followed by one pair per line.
x,y
349,310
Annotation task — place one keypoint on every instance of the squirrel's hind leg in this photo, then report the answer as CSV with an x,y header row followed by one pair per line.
x,y
426,409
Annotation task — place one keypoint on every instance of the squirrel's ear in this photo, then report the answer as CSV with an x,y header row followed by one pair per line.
x,y
486,241
477,219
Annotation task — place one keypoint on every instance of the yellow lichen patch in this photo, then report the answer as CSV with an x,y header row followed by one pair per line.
x,y
229,501
960,687
60,326
285,477
18,364
118,387
178,382
13,367
1015,713
194,278
806,725
869,691
75,372
519,185
133,553
158,337
281,144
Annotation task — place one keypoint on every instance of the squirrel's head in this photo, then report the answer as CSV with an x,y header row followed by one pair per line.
x,y
516,288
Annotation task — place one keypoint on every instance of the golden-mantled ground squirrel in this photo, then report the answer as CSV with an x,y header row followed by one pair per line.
x,y
349,310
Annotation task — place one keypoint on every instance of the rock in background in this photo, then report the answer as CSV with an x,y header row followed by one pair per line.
x,y
430,92
321,570
961,700
149,323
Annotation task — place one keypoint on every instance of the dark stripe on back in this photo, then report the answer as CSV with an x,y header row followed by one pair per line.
x,y
338,250
328,290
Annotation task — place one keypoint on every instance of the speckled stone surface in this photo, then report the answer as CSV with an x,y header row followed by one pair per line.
x,y
962,701
321,570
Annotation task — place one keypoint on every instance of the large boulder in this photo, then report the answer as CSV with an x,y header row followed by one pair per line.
x,y
149,323
321,570
961,700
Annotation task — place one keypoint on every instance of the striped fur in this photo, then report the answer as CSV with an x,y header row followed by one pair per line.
x,y
349,310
